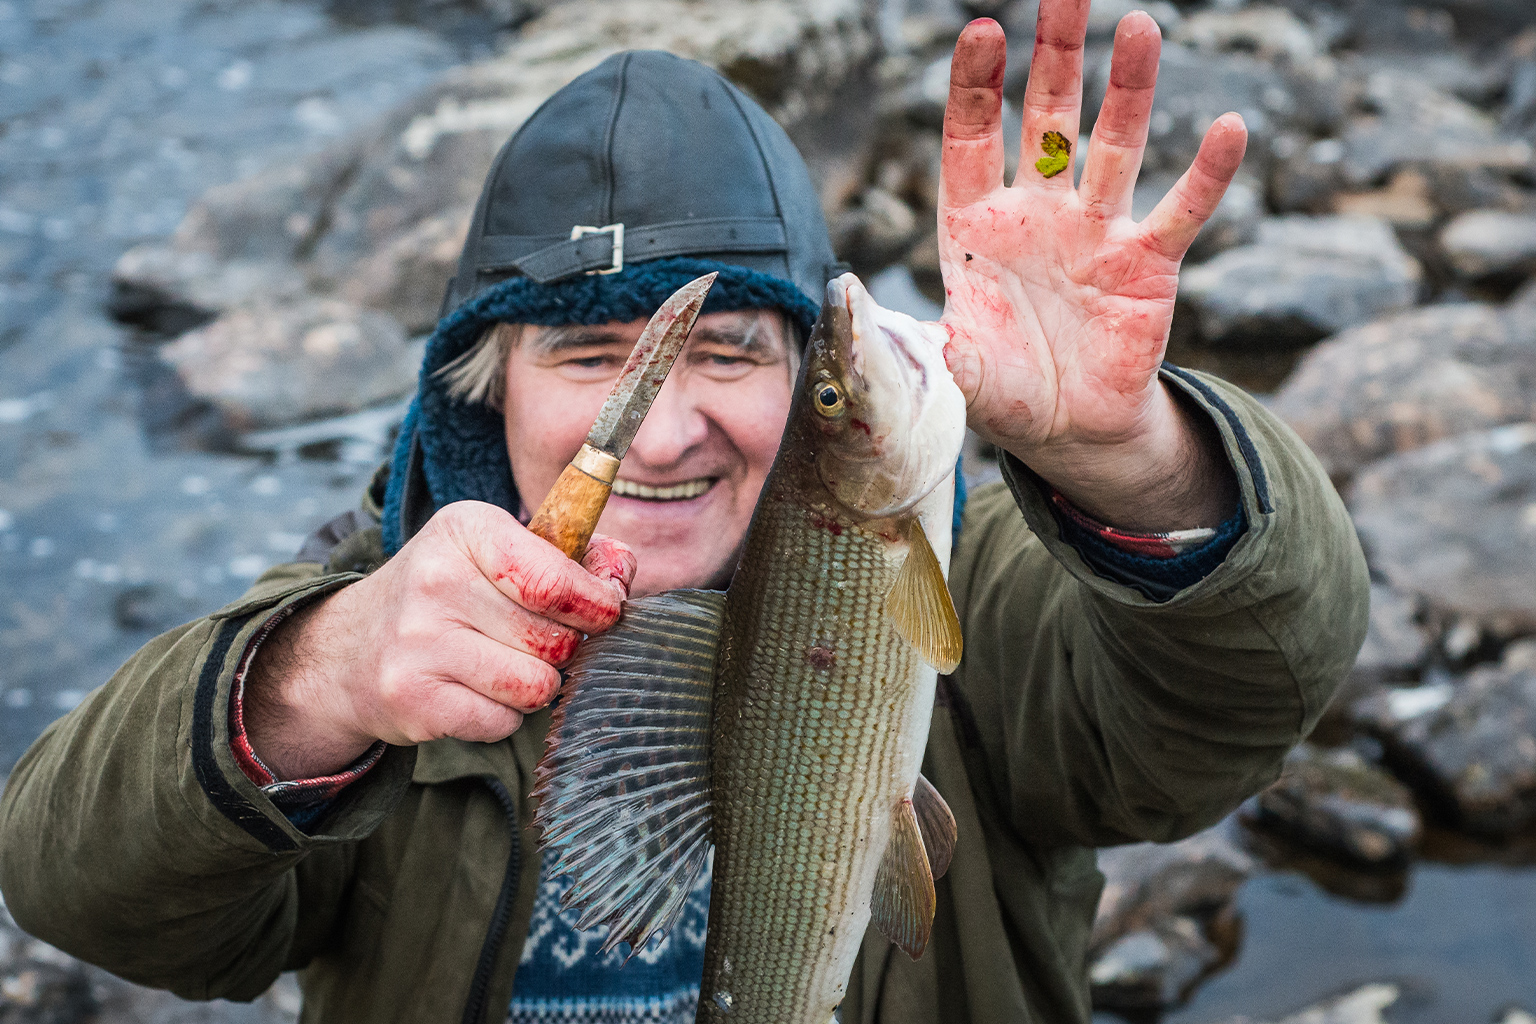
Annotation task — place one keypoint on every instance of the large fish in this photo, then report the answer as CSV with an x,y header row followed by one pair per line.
x,y
783,721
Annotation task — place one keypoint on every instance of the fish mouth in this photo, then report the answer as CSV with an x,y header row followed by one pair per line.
x,y
684,491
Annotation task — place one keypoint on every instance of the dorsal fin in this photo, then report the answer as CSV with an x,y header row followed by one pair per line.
x,y
936,822
623,786
920,606
903,903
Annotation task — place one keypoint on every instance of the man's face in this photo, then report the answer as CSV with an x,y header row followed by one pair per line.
x,y
686,490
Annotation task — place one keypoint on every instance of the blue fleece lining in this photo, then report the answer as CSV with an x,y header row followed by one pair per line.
x,y
463,445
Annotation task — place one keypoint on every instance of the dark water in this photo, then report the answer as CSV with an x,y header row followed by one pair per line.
x,y
1461,942
114,116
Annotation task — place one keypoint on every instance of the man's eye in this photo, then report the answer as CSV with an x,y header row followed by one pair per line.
x,y
590,363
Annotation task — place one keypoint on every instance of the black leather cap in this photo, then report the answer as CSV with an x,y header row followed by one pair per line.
x,y
687,163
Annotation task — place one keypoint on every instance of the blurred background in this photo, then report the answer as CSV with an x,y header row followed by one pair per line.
x,y
225,228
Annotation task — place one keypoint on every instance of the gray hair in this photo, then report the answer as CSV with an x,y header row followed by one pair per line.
x,y
479,376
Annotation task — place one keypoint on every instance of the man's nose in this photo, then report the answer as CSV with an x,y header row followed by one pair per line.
x,y
673,427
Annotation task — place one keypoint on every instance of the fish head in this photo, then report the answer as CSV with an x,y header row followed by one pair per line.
x,y
885,415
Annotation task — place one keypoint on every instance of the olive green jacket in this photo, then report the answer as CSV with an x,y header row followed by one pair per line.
x,y
1084,714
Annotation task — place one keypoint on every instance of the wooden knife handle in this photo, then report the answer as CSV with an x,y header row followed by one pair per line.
x,y
569,512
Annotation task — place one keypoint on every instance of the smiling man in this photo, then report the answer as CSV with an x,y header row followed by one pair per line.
x,y
332,774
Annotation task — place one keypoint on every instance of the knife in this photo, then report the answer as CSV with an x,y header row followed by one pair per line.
x,y
569,512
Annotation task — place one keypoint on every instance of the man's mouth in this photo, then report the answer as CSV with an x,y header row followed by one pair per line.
x,y
672,492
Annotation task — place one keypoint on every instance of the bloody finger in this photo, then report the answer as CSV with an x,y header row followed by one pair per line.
x,y
1171,227
972,161
1120,134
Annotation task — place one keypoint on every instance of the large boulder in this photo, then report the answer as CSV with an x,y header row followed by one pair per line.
x,y
1301,279
1454,523
1468,746
1411,379
263,364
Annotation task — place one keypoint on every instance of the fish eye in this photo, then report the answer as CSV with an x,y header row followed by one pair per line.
x,y
829,399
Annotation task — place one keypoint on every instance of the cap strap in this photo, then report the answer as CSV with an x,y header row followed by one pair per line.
x,y
547,258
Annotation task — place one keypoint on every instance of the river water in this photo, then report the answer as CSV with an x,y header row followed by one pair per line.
x,y
114,115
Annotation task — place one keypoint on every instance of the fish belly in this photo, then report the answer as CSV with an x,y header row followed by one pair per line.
x,y
821,718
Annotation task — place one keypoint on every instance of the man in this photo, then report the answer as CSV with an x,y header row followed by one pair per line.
x,y
332,774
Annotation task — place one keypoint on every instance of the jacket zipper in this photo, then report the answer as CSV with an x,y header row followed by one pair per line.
x,y
479,987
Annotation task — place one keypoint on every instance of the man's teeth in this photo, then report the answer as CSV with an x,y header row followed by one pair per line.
x,y
676,492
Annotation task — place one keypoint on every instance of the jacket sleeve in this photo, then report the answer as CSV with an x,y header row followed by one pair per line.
x,y
1102,716
130,837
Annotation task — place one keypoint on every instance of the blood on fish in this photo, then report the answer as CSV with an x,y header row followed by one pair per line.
x,y
858,424
821,522
820,657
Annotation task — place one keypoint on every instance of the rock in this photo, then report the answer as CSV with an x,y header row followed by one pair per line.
x,y
1411,379
875,231
407,277
1152,968
1395,644
265,365
1405,202
400,184
1195,87
1338,804
1417,124
1361,1006
1302,278
1469,747
1488,243
1150,934
1453,523
1268,31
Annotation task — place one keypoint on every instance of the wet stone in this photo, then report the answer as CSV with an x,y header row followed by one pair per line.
x,y
1150,938
1453,524
1468,746
1340,805
1152,968
1410,379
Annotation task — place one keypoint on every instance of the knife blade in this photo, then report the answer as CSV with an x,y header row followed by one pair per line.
x,y
569,513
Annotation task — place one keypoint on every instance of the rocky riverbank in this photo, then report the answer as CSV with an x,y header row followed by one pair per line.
x,y
225,230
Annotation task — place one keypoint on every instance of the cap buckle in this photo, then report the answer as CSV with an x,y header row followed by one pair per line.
x,y
617,231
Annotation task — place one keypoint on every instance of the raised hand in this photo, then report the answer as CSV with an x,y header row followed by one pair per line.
x,y
1058,302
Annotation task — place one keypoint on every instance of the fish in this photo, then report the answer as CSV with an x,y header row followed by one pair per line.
x,y
781,723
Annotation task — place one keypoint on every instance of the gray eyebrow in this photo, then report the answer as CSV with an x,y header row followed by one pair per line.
x,y
553,340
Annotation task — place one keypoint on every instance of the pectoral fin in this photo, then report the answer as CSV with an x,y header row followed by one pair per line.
x,y
920,606
937,824
904,900
623,786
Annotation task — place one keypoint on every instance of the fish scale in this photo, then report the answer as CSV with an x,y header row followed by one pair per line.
x,y
809,759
